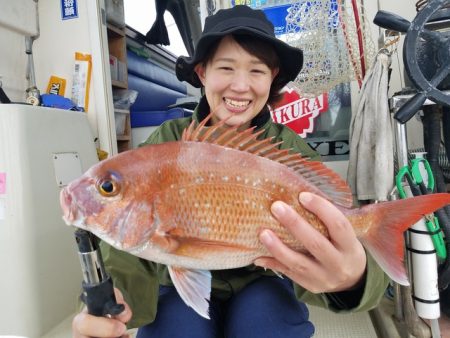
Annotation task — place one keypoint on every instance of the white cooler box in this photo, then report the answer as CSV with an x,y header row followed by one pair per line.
x,y
41,149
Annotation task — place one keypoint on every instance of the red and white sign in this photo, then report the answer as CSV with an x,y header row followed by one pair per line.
x,y
299,113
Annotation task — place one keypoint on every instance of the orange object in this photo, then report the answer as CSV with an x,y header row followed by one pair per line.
x,y
81,80
56,85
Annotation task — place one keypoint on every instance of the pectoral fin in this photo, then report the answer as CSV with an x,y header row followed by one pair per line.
x,y
194,287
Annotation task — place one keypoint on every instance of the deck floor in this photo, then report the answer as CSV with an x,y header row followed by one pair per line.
x,y
389,327
328,324
332,325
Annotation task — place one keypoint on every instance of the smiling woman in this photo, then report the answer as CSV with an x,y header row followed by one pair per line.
x,y
140,15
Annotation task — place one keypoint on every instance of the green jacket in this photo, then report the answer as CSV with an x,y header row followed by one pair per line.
x,y
139,279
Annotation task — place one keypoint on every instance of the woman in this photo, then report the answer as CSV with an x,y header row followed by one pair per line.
x,y
242,66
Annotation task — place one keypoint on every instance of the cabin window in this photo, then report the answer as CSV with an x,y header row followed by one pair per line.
x,y
140,15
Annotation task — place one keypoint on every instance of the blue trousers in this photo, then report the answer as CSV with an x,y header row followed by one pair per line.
x,y
266,307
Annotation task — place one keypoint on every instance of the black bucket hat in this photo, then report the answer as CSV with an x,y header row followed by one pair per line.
x,y
239,19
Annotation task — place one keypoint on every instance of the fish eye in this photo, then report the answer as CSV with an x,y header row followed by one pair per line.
x,y
108,187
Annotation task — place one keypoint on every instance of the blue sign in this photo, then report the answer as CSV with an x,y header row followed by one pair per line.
x,y
277,15
69,9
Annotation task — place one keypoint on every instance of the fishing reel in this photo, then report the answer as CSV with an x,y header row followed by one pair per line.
x,y
429,81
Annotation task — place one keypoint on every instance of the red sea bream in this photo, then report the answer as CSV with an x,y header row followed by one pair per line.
x,y
199,204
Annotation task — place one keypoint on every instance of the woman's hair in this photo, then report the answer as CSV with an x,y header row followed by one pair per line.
x,y
264,52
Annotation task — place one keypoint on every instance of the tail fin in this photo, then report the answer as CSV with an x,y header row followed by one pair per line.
x,y
388,220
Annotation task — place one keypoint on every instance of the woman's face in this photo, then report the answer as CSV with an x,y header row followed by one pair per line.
x,y
237,84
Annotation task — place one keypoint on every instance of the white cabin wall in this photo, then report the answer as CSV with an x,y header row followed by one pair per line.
x,y
54,54
54,51
17,19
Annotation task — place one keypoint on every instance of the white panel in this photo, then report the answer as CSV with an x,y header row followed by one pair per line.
x,y
19,16
40,267
67,167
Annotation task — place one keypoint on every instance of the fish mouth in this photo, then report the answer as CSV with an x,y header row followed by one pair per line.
x,y
71,214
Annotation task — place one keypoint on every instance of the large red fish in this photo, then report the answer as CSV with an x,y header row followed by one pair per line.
x,y
199,204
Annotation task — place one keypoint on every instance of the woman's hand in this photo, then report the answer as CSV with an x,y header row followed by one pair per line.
x,y
85,325
334,264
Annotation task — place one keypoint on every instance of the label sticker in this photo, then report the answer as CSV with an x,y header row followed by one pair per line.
x,y
2,183
69,9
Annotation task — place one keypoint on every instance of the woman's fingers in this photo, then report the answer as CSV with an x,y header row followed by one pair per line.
x,y
329,258
85,325
126,314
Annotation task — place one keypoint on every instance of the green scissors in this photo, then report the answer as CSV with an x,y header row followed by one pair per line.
x,y
415,180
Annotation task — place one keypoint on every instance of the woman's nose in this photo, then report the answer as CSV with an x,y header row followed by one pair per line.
x,y
240,82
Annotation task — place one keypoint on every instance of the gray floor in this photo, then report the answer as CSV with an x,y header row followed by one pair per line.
x,y
332,325
328,325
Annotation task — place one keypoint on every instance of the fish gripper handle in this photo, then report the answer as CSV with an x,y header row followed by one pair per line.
x,y
98,287
100,299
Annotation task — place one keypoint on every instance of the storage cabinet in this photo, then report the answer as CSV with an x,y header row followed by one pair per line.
x,y
119,80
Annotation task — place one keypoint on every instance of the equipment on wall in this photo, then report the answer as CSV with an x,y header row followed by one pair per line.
x,y
335,39
33,94
426,56
422,45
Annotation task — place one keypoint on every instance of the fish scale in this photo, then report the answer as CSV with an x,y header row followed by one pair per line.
x,y
232,211
239,200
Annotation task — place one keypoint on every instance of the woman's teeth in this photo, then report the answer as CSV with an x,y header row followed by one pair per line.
x,y
237,104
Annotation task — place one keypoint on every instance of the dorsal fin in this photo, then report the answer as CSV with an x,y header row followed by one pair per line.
x,y
326,180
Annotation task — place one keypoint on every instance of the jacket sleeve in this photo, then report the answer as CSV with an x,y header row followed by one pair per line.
x,y
137,280
292,141
362,299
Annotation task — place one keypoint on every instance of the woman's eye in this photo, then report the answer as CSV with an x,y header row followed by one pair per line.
x,y
258,71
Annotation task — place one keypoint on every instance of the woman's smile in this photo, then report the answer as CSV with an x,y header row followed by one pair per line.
x,y
236,105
